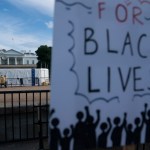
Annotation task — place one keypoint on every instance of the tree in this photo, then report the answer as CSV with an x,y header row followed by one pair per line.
x,y
44,56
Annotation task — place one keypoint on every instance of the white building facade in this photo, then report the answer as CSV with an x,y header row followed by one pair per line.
x,y
13,57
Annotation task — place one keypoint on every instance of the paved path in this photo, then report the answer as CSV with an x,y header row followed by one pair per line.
x,y
26,145
30,145
21,88
23,97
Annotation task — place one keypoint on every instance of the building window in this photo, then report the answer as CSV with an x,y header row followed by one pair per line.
x,y
32,61
27,62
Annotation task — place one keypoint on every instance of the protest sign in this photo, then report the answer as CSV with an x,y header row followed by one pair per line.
x,y
100,74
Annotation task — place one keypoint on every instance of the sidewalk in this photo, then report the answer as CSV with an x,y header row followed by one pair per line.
x,y
23,95
26,145
22,88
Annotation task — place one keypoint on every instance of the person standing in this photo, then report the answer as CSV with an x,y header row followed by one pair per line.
x,y
2,82
5,81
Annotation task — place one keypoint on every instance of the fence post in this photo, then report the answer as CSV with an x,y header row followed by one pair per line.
x,y
40,129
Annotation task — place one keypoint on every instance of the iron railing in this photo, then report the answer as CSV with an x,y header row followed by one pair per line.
x,y
24,115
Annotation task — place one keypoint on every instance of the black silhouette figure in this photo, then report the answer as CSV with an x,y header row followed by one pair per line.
x,y
55,135
102,138
79,133
90,129
147,122
52,111
117,131
138,128
130,134
65,141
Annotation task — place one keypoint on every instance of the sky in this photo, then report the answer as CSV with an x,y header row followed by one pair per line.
x,y
25,25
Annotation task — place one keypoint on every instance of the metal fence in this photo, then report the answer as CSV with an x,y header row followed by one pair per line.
x,y
24,115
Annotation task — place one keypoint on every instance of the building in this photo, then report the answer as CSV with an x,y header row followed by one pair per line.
x,y
16,59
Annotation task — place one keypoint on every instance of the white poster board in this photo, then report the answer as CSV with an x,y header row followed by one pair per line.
x,y
100,74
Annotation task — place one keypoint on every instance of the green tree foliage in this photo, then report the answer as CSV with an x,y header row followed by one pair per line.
x,y
44,56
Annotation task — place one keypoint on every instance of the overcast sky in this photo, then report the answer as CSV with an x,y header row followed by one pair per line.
x,y
26,24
